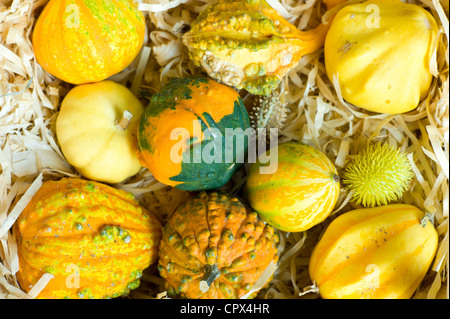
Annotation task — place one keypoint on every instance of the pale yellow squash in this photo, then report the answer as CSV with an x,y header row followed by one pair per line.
x,y
96,129
380,52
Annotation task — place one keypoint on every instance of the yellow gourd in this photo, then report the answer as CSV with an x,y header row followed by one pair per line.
x,y
96,129
300,193
380,51
94,240
80,41
374,253
248,44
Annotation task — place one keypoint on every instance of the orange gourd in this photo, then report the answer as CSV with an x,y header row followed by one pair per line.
x,y
182,134
83,41
213,247
93,239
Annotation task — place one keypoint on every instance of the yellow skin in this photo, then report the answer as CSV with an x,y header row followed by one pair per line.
x,y
374,253
84,41
94,239
89,133
248,44
300,194
382,65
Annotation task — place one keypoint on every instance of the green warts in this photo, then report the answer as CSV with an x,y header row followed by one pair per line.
x,y
227,291
111,234
93,7
224,43
109,7
105,11
133,284
50,269
85,293
91,187
235,277
261,85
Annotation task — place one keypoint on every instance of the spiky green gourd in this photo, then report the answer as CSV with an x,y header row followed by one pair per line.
x,y
378,175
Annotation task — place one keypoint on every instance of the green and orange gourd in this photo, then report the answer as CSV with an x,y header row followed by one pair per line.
x,y
214,247
93,239
182,134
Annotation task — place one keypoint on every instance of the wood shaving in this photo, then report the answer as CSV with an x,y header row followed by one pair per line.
x,y
318,115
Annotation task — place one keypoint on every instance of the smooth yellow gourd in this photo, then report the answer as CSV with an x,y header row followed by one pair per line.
x,y
380,51
374,253
96,129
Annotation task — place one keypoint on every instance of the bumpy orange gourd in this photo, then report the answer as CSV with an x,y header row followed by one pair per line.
x,y
212,247
299,192
374,253
83,41
94,239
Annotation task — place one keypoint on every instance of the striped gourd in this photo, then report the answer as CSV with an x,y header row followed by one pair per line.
x,y
93,239
374,253
301,192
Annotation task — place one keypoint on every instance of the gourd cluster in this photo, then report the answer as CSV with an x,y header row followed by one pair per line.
x,y
217,245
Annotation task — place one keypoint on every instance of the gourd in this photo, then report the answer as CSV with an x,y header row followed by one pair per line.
x,y
370,46
377,175
96,129
93,239
248,44
182,134
301,190
213,247
81,41
377,253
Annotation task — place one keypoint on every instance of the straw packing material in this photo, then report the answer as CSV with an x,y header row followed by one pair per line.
x,y
316,114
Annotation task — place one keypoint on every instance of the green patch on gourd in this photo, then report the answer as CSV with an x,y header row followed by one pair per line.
x,y
176,90
198,174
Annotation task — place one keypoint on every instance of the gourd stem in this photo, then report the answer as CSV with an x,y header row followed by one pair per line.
x,y
336,178
211,274
427,218
125,120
